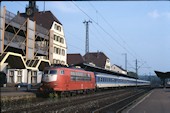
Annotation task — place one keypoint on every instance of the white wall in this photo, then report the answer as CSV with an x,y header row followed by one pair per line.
x,y
59,45
117,69
15,75
24,74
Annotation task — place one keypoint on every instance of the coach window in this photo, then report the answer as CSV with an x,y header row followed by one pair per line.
x,y
100,79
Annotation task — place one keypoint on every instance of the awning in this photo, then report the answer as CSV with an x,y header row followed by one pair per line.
x,y
163,75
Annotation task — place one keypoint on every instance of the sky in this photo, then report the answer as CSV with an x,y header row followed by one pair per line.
x,y
141,29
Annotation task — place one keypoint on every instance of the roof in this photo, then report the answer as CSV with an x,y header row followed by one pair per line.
x,y
98,58
163,75
89,67
43,18
74,59
119,67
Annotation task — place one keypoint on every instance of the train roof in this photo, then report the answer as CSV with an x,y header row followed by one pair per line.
x,y
65,66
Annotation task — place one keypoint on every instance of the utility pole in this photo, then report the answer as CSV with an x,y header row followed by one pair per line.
x,y
87,36
136,71
44,6
125,60
136,63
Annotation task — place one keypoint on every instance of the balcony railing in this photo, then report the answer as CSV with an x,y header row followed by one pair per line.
x,y
10,17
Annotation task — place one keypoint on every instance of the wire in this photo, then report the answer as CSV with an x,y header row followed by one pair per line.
x,y
107,32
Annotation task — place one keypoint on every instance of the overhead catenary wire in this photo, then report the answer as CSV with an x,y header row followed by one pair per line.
x,y
118,34
97,23
131,53
104,30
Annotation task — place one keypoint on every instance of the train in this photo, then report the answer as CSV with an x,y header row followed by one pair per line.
x,y
64,80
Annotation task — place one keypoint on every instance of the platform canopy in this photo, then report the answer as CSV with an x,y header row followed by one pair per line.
x,y
163,75
92,68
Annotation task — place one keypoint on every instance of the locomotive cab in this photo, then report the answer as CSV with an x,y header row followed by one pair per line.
x,y
49,79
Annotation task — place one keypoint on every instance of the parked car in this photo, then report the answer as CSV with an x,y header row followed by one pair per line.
x,y
21,85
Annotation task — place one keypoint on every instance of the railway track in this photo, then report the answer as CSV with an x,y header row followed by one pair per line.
x,y
85,103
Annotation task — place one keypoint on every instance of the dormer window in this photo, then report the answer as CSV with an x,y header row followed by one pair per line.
x,y
57,27
107,61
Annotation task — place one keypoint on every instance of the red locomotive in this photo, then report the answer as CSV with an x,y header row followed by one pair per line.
x,y
64,80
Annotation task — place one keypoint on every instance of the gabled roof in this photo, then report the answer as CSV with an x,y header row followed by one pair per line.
x,y
74,59
120,67
43,18
98,58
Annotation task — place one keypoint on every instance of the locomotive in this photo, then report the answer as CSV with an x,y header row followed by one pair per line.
x,y
65,81
62,80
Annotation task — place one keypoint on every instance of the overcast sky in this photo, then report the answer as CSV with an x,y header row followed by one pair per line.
x,y
139,28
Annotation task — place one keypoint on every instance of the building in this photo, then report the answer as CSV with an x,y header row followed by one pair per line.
x,y
73,59
29,42
46,19
98,59
118,69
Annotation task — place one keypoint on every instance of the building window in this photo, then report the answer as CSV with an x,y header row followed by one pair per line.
x,y
55,37
11,77
107,67
55,50
63,52
34,77
107,61
58,61
61,40
58,28
62,62
54,61
55,26
34,73
58,50
19,77
58,38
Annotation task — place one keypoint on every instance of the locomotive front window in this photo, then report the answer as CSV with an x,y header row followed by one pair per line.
x,y
50,72
53,72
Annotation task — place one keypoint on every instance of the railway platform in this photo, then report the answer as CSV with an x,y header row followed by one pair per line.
x,y
157,101
12,93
